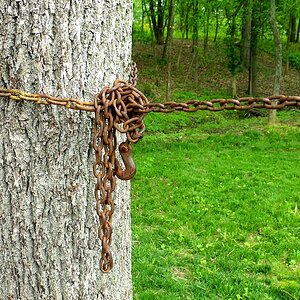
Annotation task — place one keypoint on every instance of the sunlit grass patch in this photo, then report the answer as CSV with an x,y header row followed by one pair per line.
x,y
215,208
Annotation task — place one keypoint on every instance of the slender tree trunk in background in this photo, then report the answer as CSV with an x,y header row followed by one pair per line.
x,y
252,82
234,61
143,14
292,28
217,25
184,9
233,52
181,19
160,22
170,25
195,24
187,22
168,47
246,34
234,89
298,32
153,18
183,13
157,24
278,59
287,48
206,29
48,246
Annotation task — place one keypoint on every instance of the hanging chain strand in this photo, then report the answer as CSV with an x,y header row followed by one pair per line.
x,y
104,144
123,108
113,112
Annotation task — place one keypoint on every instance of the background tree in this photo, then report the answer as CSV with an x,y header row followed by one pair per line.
x,y
246,33
48,224
184,7
233,52
170,29
168,45
259,18
278,58
157,14
242,31
195,23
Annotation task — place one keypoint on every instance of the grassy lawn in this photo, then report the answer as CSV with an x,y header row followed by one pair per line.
x,y
215,207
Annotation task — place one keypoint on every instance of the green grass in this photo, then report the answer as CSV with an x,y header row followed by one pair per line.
x,y
215,208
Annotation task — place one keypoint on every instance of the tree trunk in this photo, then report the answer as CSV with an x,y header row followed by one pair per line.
x,y
195,24
252,83
287,49
157,24
246,35
48,223
160,22
298,32
278,59
169,38
206,29
292,28
217,24
168,47
143,15
187,22
184,8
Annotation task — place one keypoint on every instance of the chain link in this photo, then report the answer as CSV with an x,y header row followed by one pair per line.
x,y
113,111
104,144
273,102
71,103
133,74
123,108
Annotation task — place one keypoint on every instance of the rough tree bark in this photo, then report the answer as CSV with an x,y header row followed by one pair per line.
x,y
48,242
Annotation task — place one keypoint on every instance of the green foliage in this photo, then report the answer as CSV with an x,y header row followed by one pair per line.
x,y
267,46
294,59
234,56
141,36
215,208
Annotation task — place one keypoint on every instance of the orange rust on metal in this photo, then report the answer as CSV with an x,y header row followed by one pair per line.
x,y
125,150
246,103
123,108
114,111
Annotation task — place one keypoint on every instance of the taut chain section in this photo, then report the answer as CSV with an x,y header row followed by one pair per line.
x,y
246,103
123,108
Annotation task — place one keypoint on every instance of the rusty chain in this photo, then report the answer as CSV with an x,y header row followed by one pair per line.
x,y
246,103
114,110
123,108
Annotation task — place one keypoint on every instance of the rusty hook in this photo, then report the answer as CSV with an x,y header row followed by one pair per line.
x,y
130,169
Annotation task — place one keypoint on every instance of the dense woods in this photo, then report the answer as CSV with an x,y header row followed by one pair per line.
x,y
242,29
240,24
